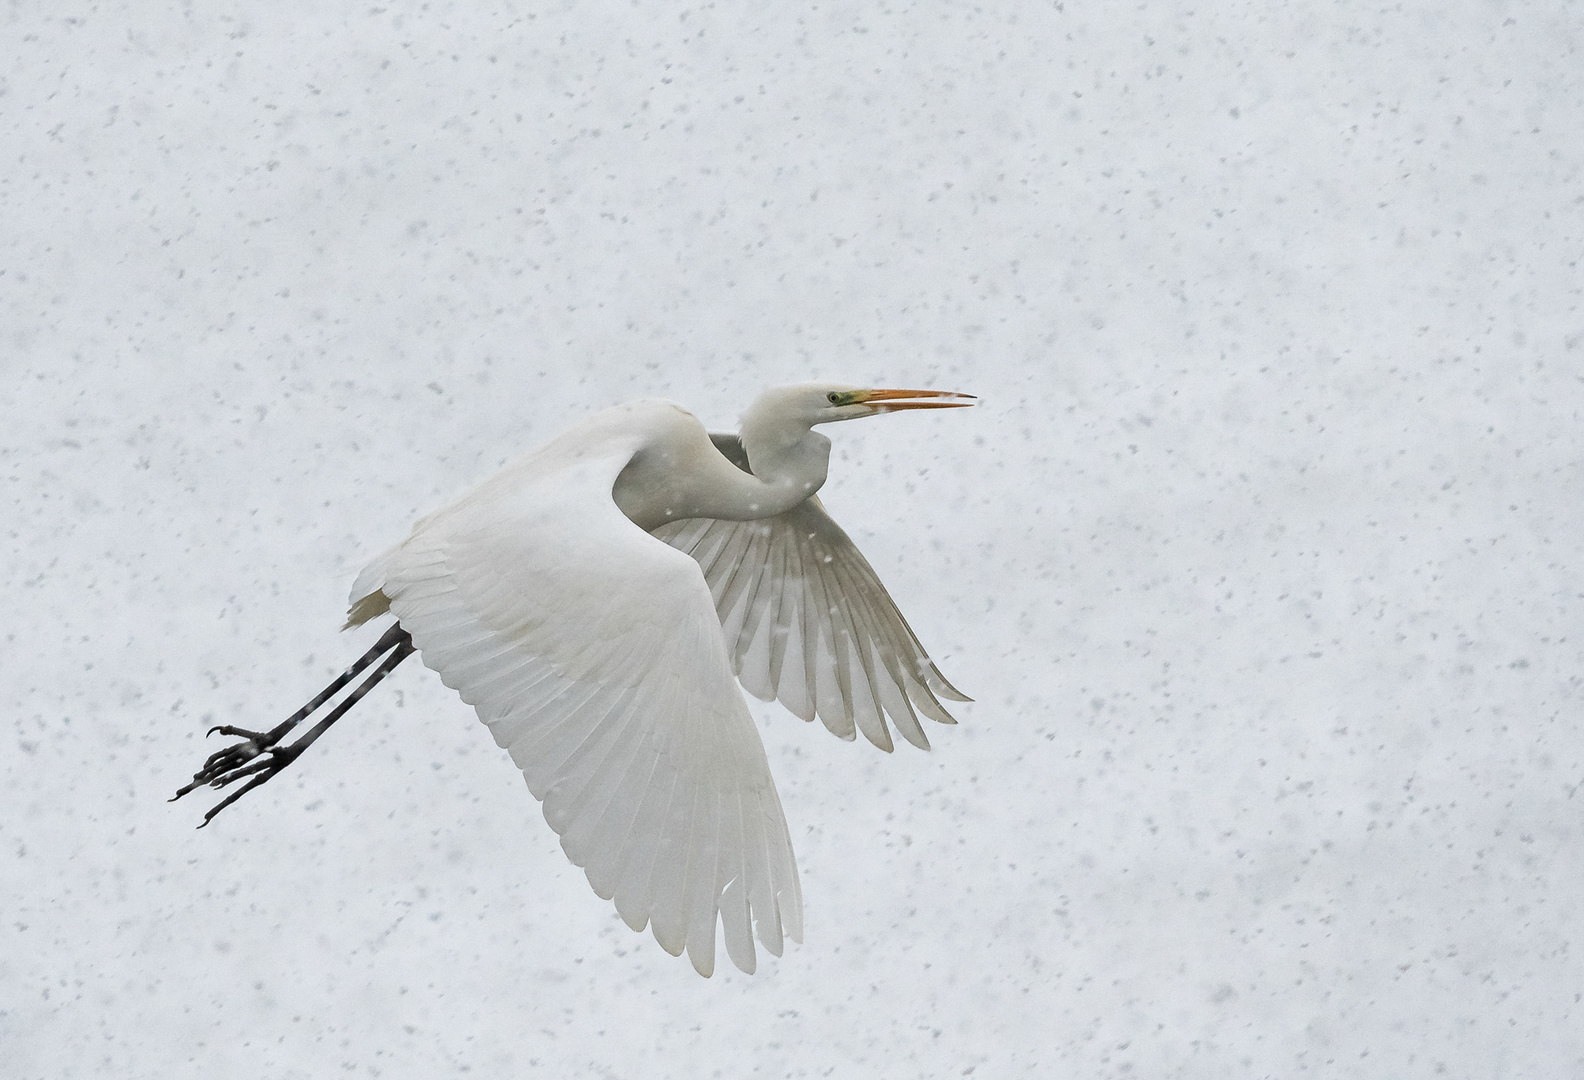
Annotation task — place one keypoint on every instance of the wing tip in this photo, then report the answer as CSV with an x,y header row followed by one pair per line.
x,y
703,961
674,947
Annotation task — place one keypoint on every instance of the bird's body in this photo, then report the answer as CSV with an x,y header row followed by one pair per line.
x,y
596,602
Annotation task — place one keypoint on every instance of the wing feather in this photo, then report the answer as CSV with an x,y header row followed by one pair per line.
x,y
584,794
759,605
784,615
736,926
883,666
596,658
703,884
606,831
641,847
808,622
668,872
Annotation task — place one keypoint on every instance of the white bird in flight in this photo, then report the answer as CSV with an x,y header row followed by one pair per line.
x,y
593,602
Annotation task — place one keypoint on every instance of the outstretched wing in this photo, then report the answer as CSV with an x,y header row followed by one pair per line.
x,y
594,655
807,621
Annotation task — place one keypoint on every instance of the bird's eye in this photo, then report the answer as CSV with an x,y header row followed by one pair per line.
x,y
833,397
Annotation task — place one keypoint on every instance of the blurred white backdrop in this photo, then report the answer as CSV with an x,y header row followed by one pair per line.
x,y
1262,556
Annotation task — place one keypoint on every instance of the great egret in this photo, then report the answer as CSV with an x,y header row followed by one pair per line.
x,y
593,601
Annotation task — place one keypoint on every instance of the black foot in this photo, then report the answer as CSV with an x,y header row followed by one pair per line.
x,y
260,754
257,755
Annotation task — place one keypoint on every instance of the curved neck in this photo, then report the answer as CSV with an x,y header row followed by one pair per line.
x,y
690,478
786,470
785,453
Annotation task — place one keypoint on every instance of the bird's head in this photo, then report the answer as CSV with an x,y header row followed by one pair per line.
x,y
825,403
778,429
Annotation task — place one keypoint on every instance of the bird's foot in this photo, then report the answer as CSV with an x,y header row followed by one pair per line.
x,y
259,755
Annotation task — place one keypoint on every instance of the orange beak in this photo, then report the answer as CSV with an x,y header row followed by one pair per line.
x,y
897,400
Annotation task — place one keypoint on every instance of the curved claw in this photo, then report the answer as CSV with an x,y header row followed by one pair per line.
x,y
244,760
218,768
263,738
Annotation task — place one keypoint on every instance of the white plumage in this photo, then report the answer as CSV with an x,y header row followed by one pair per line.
x,y
593,602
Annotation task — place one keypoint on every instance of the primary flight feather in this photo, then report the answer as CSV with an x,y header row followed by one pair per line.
x,y
598,601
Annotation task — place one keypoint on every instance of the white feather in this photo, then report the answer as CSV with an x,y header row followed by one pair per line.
x,y
809,622
624,717
593,602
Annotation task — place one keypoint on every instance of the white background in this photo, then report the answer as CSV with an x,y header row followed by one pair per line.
x,y
1262,556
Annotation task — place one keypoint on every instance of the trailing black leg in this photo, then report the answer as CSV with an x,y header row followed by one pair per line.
x,y
259,755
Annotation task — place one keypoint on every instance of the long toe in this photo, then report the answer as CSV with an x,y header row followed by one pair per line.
x,y
262,738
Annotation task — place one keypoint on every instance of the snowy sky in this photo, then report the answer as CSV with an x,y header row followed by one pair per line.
x,y
1262,557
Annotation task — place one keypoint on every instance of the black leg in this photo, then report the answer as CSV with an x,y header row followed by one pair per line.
x,y
227,766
